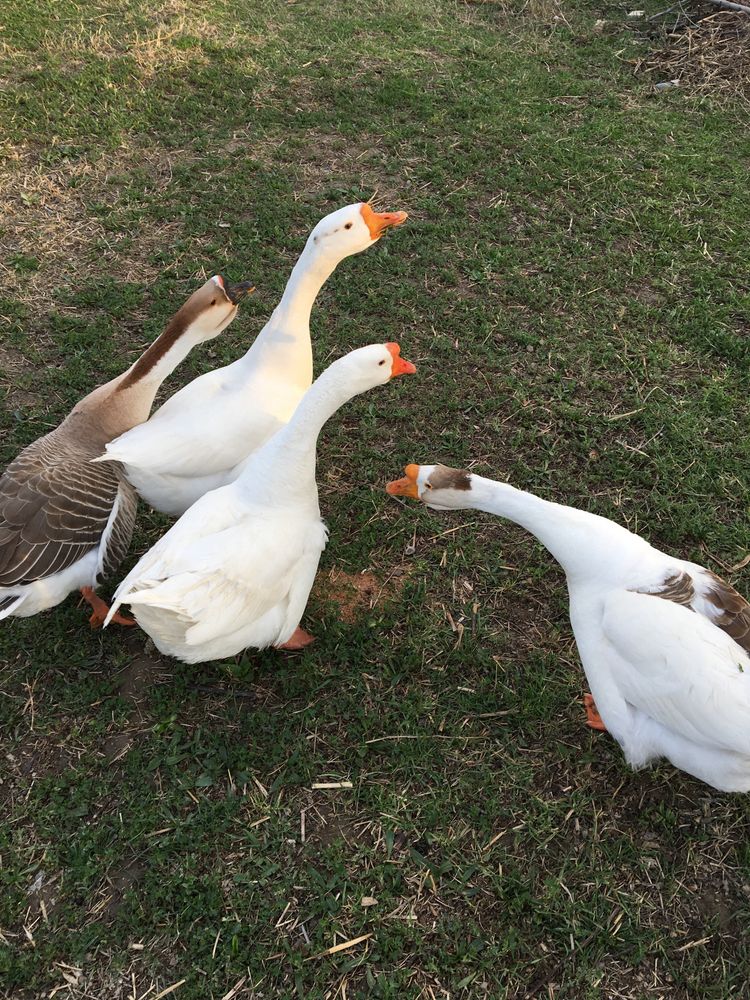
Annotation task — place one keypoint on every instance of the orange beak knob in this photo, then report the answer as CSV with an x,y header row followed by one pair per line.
x,y
406,487
400,366
378,222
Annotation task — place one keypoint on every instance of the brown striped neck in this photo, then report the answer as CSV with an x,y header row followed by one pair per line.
x,y
148,366
202,317
126,401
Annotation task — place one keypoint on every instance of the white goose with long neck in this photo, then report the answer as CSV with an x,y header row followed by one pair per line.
x,y
282,472
201,437
236,570
664,642
283,348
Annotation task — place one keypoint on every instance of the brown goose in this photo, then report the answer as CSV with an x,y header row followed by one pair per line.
x,y
64,519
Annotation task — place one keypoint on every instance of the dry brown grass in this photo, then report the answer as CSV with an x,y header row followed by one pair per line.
x,y
107,34
710,55
45,211
45,214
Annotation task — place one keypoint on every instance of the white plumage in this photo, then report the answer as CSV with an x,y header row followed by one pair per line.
x,y
665,643
236,570
198,440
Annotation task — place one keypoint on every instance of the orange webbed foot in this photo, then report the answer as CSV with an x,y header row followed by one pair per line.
x,y
100,610
593,718
298,640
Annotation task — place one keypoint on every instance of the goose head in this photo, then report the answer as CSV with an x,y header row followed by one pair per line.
x,y
438,486
351,230
365,368
211,308
370,366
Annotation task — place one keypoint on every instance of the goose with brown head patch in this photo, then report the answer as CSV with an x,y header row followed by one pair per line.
x,y
665,643
236,570
200,437
64,518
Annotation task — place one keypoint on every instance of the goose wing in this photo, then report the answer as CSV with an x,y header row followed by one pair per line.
x,y
55,506
680,668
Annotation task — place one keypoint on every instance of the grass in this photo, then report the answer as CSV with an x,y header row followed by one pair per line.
x,y
573,286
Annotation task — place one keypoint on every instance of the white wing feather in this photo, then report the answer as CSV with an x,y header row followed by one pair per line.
x,y
680,669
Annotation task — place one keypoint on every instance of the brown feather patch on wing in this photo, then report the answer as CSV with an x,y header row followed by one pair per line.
x,y
55,505
678,587
733,610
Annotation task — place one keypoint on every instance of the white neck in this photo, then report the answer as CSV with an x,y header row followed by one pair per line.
x,y
576,538
283,346
287,460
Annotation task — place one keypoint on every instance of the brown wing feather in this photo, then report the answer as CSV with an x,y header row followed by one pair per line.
x,y
122,528
732,610
54,508
729,609
677,587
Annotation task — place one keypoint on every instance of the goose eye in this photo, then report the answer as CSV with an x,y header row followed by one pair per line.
x,y
213,302
348,225
381,363
428,486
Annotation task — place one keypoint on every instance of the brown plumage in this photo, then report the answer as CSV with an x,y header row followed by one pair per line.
x,y
57,505
445,478
733,611
728,609
678,588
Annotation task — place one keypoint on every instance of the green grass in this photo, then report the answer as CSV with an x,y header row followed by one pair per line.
x,y
573,285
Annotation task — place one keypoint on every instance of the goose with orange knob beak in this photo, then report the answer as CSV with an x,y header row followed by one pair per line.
x,y
200,438
235,571
665,643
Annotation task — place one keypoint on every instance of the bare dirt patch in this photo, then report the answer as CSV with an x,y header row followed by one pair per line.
x,y
120,879
326,822
357,593
135,681
43,895
35,756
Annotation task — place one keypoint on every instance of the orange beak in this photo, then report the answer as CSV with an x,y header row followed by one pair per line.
x,y
378,222
400,365
406,487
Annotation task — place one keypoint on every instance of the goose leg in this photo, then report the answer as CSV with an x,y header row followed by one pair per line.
x,y
100,610
593,718
298,640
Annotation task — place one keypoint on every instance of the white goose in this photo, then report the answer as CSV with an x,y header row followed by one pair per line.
x,y
65,520
236,570
665,643
199,438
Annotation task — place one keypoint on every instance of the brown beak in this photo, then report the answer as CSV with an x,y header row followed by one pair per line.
x,y
235,293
